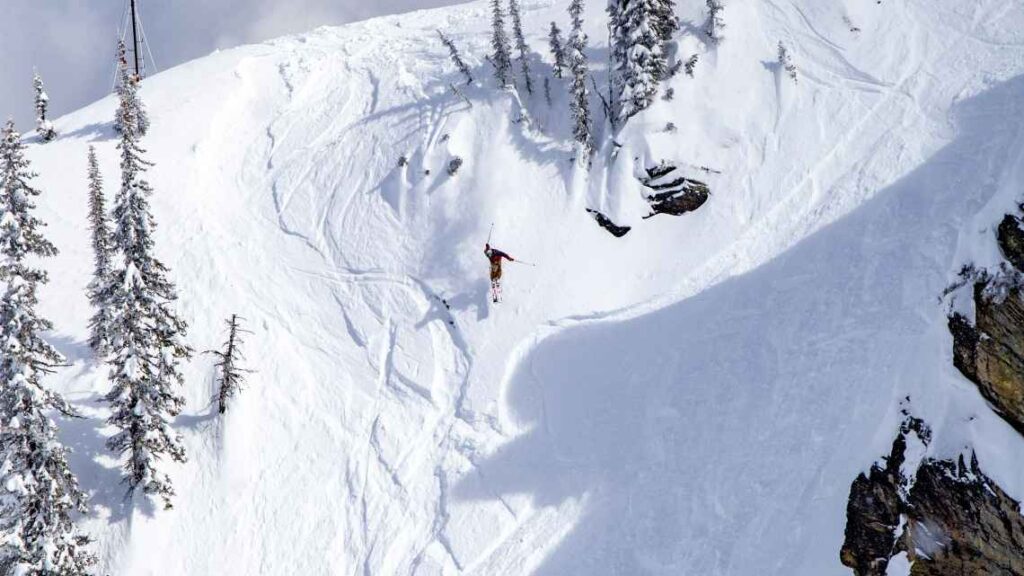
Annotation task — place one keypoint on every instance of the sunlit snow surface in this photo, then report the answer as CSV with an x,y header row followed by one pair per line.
x,y
692,399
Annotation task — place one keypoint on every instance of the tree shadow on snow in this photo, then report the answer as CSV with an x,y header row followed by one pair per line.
x,y
96,132
719,435
98,474
72,349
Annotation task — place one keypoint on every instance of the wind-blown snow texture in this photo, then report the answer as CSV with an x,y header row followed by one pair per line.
x,y
694,398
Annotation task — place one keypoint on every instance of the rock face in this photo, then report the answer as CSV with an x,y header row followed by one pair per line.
x,y
960,522
873,515
999,353
947,516
991,352
1011,241
671,192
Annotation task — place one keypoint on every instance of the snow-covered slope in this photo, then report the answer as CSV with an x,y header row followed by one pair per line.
x,y
693,398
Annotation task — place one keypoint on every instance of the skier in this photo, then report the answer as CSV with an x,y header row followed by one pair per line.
x,y
495,256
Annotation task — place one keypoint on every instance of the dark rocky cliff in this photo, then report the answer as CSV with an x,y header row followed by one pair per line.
x,y
947,516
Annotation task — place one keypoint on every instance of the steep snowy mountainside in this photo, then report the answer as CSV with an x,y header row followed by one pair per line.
x,y
692,398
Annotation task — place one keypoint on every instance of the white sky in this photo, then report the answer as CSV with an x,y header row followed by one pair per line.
x,y
71,42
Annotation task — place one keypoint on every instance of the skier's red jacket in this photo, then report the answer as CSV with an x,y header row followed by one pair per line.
x,y
495,256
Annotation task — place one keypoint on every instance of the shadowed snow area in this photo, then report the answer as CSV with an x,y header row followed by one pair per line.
x,y
687,450
695,397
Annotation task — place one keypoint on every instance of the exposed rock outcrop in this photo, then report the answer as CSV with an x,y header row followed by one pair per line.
x,y
999,353
947,516
1011,241
671,192
960,522
990,353
873,515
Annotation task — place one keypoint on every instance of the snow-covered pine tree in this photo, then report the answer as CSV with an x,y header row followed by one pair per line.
x,y
616,50
501,58
715,24
99,325
521,46
43,126
638,58
38,491
786,62
557,50
691,65
456,57
127,88
666,18
578,93
146,334
231,375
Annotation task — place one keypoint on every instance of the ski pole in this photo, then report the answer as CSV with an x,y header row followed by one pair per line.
x,y
525,263
489,232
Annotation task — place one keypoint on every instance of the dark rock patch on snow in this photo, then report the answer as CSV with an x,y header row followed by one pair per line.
x,y
671,192
606,223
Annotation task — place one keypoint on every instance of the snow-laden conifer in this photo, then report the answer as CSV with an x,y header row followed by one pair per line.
x,y
638,58
99,325
667,24
578,93
502,55
453,51
127,88
557,49
232,376
521,46
42,101
38,492
715,23
146,334
786,62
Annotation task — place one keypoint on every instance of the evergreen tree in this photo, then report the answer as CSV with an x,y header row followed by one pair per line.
x,y
501,58
456,57
715,24
146,335
667,23
231,375
617,45
786,63
521,46
691,64
43,126
555,41
638,58
578,93
127,88
38,491
99,325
